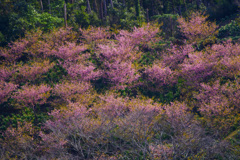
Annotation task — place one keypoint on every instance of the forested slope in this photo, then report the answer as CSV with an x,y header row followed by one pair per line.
x,y
121,88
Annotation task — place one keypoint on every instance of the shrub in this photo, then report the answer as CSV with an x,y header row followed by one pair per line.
x,y
219,105
197,27
229,30
32,71
169,24
5,90
19,142
158,77
70,91
31,96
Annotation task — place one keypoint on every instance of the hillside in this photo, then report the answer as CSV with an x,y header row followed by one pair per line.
x,y
154,91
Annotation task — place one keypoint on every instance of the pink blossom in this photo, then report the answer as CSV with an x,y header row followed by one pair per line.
x,y
6,72
70,50
176,111
177,54
161,151
32,71
16,49
139,35
68,89
159,76
32,95
80,71
217,100
197,27
119,74
5,90
95,33
196,68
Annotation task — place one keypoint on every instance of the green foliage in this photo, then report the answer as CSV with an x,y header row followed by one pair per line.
x,y
169,24
80,17
206,42
53,76
83,19
30,19
137,8
222,8
26,115
124,17
229,30
167,95
147,58
47,22
94,20
1,37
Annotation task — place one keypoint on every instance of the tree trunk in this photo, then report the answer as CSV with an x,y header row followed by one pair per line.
x,y
198,4
152,9
88,7
65,14
49,7
111,3
101,9
105,8
185,4
147,16
173,6
95,7
144,4
41,4
180,10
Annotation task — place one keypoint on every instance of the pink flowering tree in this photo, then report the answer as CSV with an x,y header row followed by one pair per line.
x,y
31,72
219,60
19,141
140,36
89,132
196,69
176,55
196,27
60,37
15,50
95,34
46,45
71,91
117,67
5,90
63,124
119,74
6,72
157,78
79,70
117,58
67,51
219,105
179,135
31,96
226,57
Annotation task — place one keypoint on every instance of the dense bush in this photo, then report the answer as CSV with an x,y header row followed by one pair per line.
x,y
229,30
169,24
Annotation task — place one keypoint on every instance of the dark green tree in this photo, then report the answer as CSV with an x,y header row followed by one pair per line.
x,y
137,8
